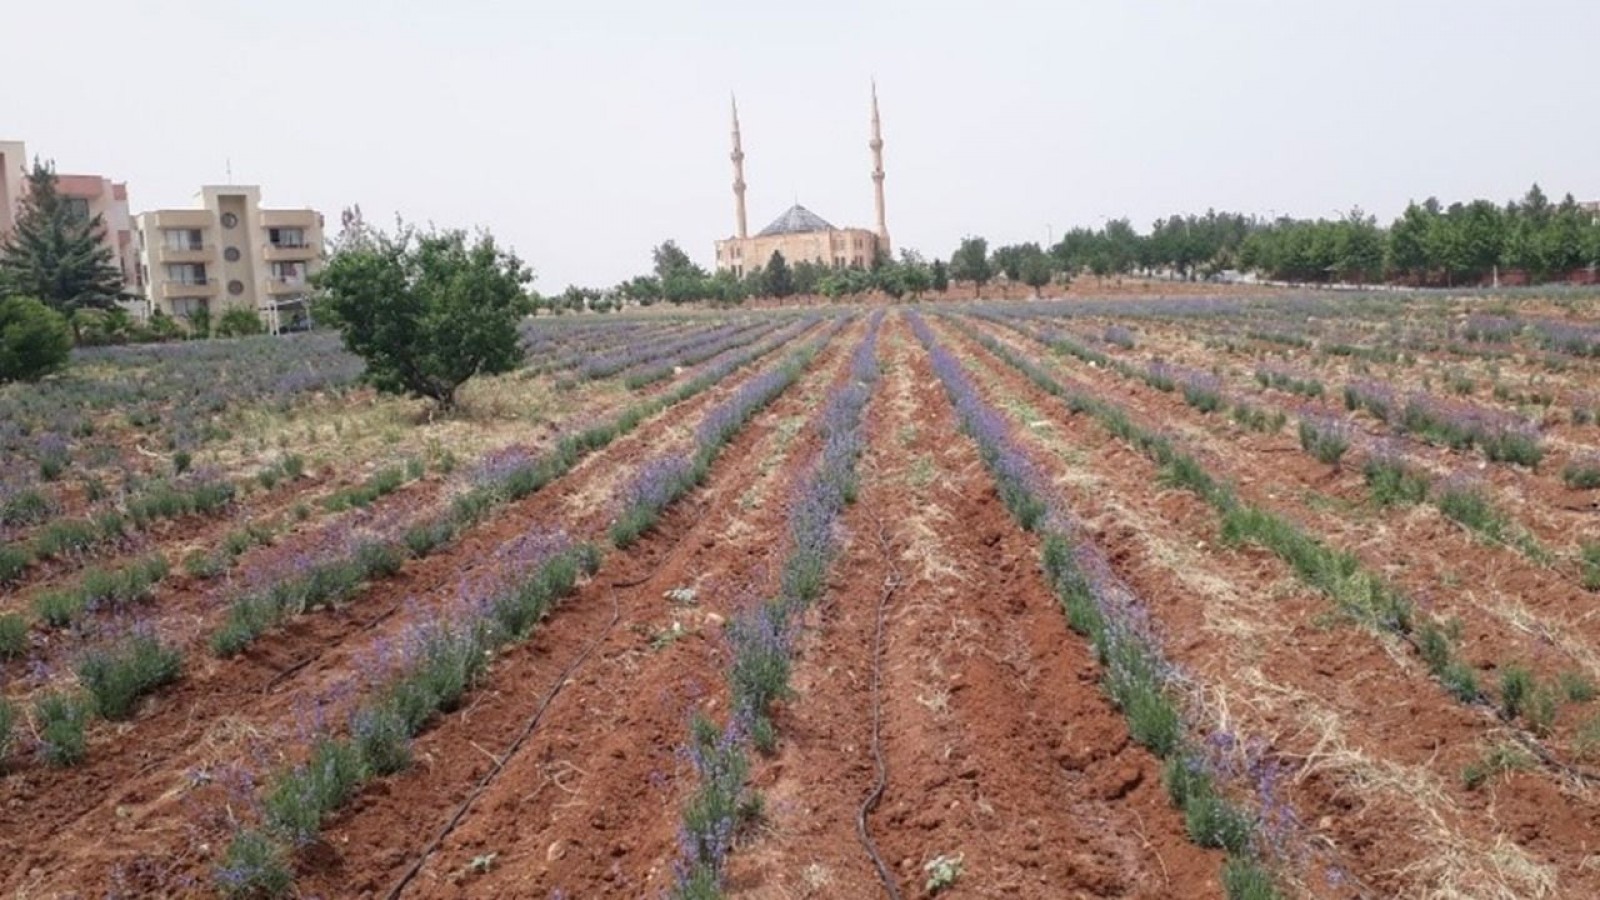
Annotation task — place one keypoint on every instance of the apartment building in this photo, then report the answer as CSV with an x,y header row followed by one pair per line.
x,y
89,195
230,253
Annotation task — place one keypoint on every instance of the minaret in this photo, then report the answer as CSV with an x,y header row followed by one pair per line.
x,y
877,172
738,175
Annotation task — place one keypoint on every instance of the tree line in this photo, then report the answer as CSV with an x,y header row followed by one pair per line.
x,y
1430,244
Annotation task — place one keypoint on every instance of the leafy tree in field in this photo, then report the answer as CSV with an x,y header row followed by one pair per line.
x,y
644,290
427,310
239,322
806,275
939,276
34,339
1008,260
970,262
54,254
776,279
1035,271
916,277
1409,240
670,260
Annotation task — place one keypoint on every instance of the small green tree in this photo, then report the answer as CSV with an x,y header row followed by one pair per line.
x,y
55,254
1035,270
970,262
239,322
34,339
427,310
939,276
776,279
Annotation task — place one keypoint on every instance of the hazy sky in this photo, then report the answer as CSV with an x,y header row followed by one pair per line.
x,y
583,133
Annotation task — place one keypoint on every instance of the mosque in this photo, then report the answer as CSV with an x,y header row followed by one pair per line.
x,y
800,234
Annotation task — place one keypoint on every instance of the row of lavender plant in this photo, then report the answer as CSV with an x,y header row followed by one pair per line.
x,y
330,566
649,373
762,638
439,659
1360,592
668,477
337,569
569,355
636,354
1202,390
1327,437
1502,437
70,540
1134,671
326,565
180,388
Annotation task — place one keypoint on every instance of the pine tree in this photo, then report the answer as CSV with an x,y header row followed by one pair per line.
x,y
55,254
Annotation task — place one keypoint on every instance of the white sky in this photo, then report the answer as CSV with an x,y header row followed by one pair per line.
x,y
583,133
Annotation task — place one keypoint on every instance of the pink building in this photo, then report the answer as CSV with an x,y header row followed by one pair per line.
x,y
91,195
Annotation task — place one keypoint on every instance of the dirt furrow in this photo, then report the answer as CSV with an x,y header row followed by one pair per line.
x,y
1004,758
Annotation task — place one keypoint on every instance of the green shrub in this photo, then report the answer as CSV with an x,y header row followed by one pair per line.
x,y
1392,482
200,564
118,675
254,867
1497,760
1586,743
1516,684
298,800
13,562
239,322
1576,687
1214,822
65,537
382,740
35,340
58,608
61,719
181,462
8,720
1245,879
1582,474
13,635
26,507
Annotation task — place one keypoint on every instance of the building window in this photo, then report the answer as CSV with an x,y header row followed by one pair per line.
x,y
231,254
293,273
181,238
187,307
229,220
286,237
77,207
187,273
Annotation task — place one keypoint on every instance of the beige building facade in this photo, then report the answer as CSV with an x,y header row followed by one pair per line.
x,y
799,234
89,195
230,253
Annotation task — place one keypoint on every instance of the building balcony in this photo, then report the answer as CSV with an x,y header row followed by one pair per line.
x,y
291,218
288,252
288,285
189,254
174,290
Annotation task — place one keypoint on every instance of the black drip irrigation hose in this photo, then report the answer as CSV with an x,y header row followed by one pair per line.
x,y
516,744
891,583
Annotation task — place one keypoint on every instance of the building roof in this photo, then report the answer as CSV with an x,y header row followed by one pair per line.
x,y
796,220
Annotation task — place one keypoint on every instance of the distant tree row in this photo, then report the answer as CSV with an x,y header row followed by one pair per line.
x,y
1428,244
